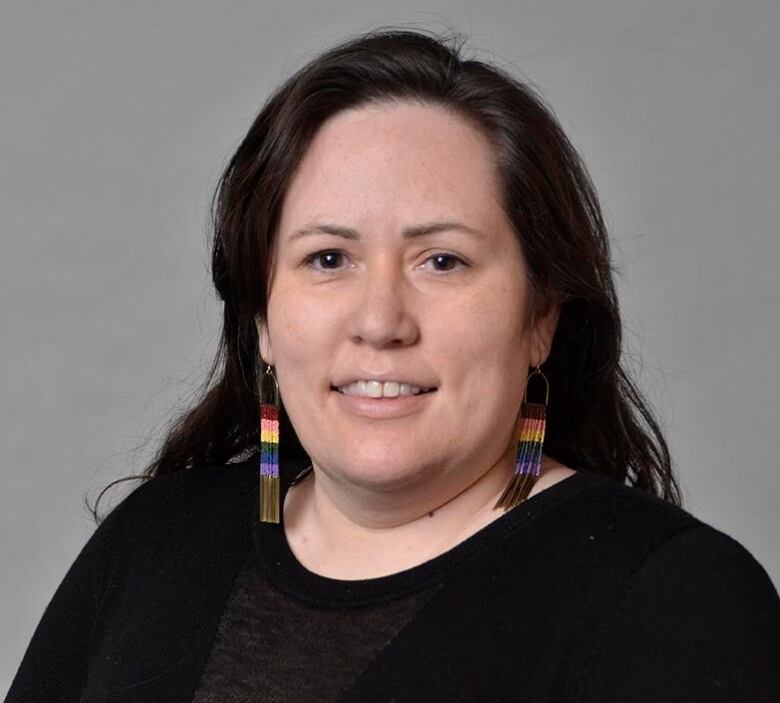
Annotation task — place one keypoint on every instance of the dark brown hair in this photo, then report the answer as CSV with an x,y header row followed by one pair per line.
x,y
597,418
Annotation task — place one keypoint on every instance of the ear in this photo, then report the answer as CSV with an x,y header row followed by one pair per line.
x,y
544,323
264,341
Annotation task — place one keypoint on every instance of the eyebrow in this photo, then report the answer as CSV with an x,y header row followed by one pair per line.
x,y
408,233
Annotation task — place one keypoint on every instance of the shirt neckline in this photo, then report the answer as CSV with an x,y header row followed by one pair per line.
x,y
280,565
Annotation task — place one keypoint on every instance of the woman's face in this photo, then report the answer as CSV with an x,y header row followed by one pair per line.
x,y
444,309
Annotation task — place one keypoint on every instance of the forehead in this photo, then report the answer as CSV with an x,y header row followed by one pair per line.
x,y
395,163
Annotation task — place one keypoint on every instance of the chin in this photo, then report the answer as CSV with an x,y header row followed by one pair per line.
x,y
380,474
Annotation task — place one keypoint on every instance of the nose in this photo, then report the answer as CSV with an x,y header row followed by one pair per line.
x,y
382,314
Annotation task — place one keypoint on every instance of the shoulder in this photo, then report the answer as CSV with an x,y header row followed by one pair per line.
x,y
708,569
679,552
633,516
602,516
621,534
165,504
612,513
171,527
683,610
695,616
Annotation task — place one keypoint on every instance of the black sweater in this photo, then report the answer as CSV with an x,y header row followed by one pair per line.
x,y
589,591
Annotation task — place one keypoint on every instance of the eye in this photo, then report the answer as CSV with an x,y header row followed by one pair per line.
x,y
445,256
320,256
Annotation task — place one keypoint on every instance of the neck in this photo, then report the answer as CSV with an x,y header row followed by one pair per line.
x,y
350,532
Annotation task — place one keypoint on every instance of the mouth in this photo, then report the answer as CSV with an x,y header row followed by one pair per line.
x,y
413,395
383,408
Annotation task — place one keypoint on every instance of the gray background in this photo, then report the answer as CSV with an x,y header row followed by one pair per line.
x,y
116,121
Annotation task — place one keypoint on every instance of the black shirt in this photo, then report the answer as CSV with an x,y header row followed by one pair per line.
x,y
588,591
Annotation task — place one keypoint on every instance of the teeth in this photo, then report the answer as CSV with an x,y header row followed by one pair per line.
x,y
378,389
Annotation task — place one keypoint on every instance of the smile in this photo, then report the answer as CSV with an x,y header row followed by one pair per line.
x,y
383,408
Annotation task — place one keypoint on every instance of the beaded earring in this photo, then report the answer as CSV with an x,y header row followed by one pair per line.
x,y
269,447
530,439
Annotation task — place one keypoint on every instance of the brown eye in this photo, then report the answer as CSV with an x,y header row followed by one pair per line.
x,y
326,257
445,257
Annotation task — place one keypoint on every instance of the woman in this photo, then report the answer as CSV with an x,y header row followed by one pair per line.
x,y
474,502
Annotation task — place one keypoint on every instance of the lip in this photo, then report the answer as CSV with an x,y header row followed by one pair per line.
x,y
381,378
382,408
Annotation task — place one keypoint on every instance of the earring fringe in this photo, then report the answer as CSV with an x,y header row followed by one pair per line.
x,y
269,499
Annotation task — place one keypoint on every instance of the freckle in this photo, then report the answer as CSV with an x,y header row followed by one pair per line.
x,y
430,514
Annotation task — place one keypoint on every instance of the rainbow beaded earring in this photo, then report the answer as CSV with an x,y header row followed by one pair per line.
x,y
528,463
269,448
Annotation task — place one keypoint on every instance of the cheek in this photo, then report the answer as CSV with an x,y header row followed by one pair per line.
x,y
484,347
482,330
298,327
299,333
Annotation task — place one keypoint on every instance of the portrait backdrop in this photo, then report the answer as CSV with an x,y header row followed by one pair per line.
x,y
117,119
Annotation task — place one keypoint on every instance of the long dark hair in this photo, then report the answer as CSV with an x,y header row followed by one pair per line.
x,y
597,417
